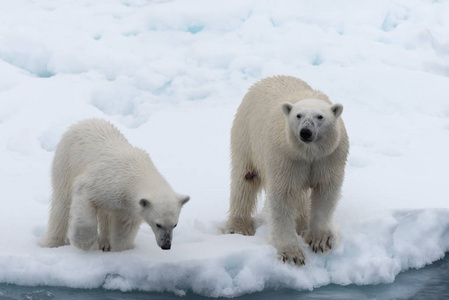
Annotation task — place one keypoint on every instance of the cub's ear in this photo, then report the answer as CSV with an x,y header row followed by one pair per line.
x,y
287,108
337,109
183,199
144,203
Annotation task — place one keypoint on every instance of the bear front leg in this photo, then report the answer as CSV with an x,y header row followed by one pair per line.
x,y
282,219
302,225
321,236
303,212
83,222
124,229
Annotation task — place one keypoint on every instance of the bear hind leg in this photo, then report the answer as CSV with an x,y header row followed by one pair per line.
x,y
245,185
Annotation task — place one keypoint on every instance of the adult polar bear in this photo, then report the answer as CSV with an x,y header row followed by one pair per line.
x,y
290,140
100,179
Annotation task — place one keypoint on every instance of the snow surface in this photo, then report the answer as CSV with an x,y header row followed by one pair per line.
x,y
170,75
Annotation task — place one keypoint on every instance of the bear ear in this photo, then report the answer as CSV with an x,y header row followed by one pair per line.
x,y
183,199
144,203
337,109
287,108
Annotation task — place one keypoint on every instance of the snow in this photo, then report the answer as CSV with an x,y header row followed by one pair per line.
x,y
170,75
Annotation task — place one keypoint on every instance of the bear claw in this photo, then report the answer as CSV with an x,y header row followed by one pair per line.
x,y
240,226
104,245
320,242
247,231
295,257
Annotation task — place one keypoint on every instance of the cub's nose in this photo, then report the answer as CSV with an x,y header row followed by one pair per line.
x,y
166,247
305,135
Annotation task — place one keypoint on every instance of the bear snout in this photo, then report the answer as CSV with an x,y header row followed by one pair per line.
x,y
165,241
305,135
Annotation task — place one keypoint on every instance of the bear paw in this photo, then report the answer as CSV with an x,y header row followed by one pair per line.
x,y
240,226
293,255
104,245
320,240
83,237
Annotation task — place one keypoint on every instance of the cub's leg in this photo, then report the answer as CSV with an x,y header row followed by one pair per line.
x,y
123,231
83,225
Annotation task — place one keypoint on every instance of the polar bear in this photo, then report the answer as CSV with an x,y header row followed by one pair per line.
x,y
290,140
102,183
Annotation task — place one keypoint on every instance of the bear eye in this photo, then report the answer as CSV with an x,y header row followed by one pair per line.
x,y
298,116
175,225
158,225
319,117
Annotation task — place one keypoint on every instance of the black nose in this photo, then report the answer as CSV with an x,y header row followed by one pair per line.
x,y
305,134
166,247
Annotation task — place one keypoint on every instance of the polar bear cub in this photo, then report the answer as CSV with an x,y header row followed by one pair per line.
x,y
103,184
290,140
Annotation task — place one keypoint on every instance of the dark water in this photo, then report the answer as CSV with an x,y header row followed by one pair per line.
x,y
431,282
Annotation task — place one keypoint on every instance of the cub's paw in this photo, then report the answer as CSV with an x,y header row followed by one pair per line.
x,y
82,244
320,240
83,237
240,226
292,255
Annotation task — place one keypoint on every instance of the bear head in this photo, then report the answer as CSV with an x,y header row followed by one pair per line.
x,y
313,123
161,212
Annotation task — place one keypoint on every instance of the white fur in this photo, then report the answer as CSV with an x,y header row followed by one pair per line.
x,y
302,179
100,180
